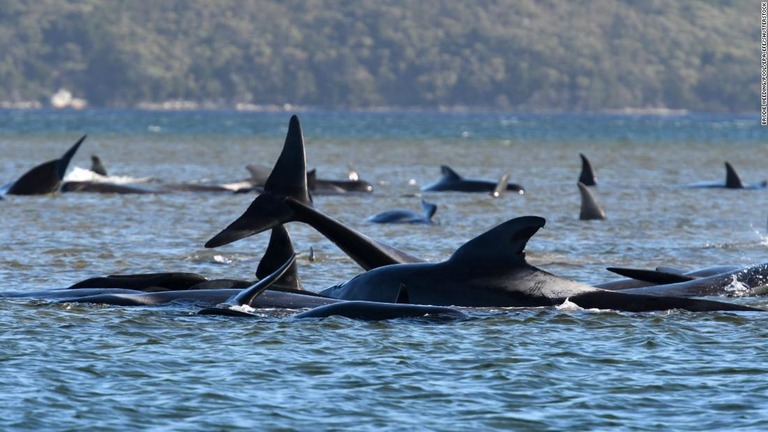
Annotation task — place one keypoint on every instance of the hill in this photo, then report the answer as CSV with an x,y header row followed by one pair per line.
x,y
588,55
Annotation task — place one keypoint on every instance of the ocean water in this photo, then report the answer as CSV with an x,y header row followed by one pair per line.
x,y
74,366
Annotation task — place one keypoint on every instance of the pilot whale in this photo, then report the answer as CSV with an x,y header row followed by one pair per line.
x,y
237,302
188,288
491,271
328,186
278,250
732,181
452,181
46,177
406,216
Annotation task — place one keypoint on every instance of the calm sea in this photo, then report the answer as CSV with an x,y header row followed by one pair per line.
x,y
76,367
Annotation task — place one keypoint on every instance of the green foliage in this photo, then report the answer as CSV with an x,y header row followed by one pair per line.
x,y
526,55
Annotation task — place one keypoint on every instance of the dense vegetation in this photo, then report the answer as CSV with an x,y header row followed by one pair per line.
x,y
508,54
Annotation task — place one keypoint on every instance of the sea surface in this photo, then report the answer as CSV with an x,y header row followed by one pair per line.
x,y
72,367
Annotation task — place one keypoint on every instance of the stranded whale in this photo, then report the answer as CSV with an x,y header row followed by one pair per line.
x,y
732,181
491,270
406,216
452,181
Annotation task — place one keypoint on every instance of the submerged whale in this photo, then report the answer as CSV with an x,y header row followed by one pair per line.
x,y
732,181
406,216
452,181
45,178
95,180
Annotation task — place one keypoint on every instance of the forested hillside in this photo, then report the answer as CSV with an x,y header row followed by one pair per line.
x,y
586,55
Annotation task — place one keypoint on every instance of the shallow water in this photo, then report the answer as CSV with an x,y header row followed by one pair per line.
x,y
68,367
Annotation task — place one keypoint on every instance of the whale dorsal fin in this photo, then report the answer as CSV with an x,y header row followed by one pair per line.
x,y
501,246
97,166
732,179
449,173
587,176
280,249
429,209
590,209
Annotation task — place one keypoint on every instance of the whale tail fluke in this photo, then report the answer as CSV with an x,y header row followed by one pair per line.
x,y
587,175
288,179
46,177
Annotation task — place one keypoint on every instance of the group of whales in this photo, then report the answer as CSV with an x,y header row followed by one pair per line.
x,y
49,177
487,271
